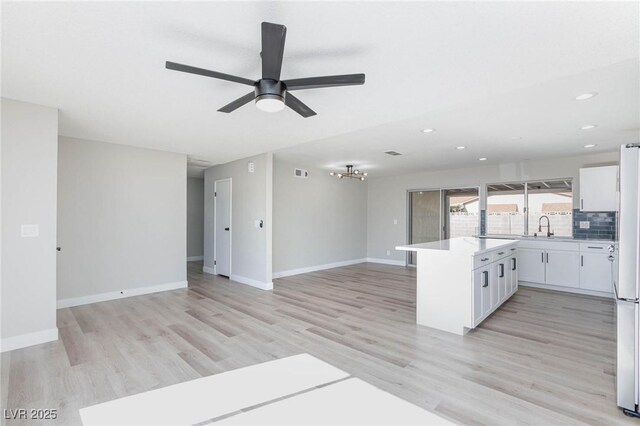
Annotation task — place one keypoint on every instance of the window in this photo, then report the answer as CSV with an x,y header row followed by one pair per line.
x,y
518,208
553,199
505,209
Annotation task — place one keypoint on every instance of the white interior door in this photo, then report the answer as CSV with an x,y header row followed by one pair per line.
x,y
222,221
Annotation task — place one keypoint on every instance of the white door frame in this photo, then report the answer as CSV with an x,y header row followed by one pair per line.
x,y
215,217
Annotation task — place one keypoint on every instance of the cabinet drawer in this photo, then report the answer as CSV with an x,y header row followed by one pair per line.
x,y
483,259
502,253
595,247
550,245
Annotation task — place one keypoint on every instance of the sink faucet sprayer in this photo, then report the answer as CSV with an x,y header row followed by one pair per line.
x,y
549,233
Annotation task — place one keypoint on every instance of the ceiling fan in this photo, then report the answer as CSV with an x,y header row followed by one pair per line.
x,y
270,93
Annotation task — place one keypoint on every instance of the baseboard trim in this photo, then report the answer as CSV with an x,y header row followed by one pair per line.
x,y
308,269
253,283
112,295
208,270
566,289
386,261
195,258
30,339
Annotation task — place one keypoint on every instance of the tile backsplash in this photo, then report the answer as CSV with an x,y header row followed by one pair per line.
x,y
602,225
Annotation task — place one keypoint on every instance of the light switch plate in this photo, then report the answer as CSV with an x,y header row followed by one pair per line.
x,y
29,230
584,224
395,221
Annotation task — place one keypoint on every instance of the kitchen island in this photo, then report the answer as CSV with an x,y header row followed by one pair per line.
x,y
463,280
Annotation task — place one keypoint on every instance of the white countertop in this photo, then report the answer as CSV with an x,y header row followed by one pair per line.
x,y
554,238
460,245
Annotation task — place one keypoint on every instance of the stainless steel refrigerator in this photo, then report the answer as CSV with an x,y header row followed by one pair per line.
x,y
626,281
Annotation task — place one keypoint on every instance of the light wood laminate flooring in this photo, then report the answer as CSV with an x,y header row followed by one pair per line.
x,y
543,358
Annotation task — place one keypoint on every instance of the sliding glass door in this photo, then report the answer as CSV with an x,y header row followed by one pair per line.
x,y
461,212
424,218
441,214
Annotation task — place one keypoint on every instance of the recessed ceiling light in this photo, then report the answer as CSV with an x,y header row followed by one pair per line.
x,y
591,145
585,96
428,130
482,158
460,147
588,127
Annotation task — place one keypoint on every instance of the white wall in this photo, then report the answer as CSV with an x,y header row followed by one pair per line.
x,y
29,167
319,220
122,221
387,196
251,200
195,219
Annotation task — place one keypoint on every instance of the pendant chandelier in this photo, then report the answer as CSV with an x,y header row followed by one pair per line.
x,y
350,173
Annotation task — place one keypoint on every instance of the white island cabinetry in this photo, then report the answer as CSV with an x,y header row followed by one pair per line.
x,y
461,281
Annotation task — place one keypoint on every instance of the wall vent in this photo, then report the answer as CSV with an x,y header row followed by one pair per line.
x,y
301,173
392,153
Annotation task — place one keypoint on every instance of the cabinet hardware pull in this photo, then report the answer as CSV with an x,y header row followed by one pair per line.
x,y
500,253
542,257
484,259
547,257
485,274
513,263
581,204
501,270
592,247
581,260
513,249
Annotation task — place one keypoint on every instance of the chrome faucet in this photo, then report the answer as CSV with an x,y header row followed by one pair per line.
x,y
549,233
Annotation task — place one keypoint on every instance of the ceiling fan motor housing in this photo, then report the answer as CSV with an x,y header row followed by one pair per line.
x,y
270,89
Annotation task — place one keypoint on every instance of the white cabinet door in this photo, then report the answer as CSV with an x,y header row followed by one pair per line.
x,y
502,279
563,268
481,294
595,272
486,290
531,265
494,284
512,281
598,188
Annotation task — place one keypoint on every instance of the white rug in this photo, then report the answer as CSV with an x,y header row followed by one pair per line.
x,y
287,387
349,402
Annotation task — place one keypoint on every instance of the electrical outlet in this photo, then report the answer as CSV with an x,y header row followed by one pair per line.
x,y
29,230
584,224
388,252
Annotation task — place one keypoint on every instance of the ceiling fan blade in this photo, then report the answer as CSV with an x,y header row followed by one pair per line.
x,y
298,106
238,102
208,73
327,81
273,36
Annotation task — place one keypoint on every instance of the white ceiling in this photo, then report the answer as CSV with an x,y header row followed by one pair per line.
x,y
480,73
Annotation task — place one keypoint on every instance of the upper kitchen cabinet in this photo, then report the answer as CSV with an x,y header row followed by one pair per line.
x,y
598,189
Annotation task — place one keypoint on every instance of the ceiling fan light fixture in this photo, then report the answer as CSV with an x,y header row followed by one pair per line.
x,y
269,103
